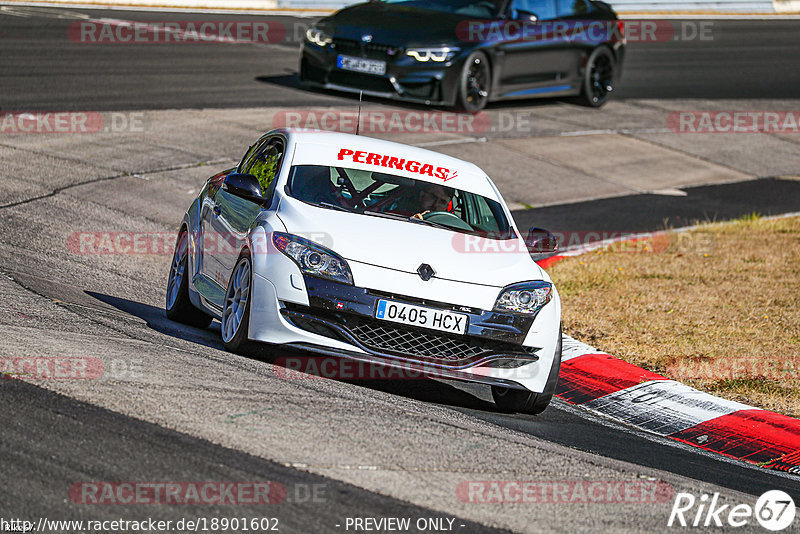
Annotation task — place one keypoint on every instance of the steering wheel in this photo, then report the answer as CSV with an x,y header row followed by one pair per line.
x,y
448,219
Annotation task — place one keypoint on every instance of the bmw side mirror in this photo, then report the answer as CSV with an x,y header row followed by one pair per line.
x,y
541,241
245,186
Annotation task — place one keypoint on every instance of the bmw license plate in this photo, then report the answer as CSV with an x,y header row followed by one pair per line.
x,y
357,64
397,312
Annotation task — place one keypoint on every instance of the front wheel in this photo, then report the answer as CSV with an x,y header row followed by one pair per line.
x,y
236,309
520,400
524,401
475,83
598,77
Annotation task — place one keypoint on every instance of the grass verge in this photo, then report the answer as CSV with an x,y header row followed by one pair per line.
x,y
717,307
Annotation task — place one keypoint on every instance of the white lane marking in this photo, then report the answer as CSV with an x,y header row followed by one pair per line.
x,y
664,406
622,131
453,142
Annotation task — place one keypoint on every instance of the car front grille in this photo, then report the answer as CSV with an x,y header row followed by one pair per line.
x,y
412,343
366,50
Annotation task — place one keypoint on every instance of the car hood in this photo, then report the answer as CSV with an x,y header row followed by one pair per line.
x,y
404,246
395,25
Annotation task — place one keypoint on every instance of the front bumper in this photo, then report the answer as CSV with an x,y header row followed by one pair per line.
x,y
338,320
405,79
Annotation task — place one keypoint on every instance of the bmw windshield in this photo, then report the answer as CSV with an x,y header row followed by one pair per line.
x,y
383,195
467,8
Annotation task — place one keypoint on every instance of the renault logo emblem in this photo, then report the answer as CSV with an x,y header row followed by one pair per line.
x,y
425,272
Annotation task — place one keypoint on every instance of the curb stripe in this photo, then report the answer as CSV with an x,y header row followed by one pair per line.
x,y
609,386
757,436
591,376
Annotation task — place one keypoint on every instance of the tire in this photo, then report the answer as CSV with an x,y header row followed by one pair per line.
x,y
599,77
475,83
236,308
179,307
524,401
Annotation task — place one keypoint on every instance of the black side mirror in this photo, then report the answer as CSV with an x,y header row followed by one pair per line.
x,y
245,186
541,241
527,16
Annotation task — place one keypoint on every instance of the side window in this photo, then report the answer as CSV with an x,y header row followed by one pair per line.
x,y
266,165
251,152
572,8
543,9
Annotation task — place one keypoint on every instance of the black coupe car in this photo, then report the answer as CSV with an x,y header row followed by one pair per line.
x,y
467,53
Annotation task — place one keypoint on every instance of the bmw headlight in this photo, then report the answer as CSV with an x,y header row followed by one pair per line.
x,y
438,54
313,259
318,37
526,297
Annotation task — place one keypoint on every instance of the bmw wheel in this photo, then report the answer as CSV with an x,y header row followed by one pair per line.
x,y
598,77
475,83
236,309
179,307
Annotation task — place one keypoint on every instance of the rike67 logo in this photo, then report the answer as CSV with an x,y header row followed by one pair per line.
x,y
774,510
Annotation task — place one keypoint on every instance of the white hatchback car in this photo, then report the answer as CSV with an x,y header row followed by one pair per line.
x,y
380,252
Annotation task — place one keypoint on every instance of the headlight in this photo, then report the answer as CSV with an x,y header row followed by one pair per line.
x,y
318,37
527,297
439,54
313,259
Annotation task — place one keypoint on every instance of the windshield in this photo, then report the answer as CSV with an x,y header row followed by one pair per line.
x,y
378,194
467,8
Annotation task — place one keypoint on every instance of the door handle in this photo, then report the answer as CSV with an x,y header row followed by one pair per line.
x,y
217,210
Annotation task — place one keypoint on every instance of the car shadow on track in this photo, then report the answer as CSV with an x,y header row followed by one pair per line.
x,y
293,364
291,81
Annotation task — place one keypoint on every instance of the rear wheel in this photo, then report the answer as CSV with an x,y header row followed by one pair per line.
x,y
179,307
598,77
236,309
475,83
524,401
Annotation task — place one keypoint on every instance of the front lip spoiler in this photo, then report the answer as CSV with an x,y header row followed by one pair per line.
x,y
428,371
373,356
378,94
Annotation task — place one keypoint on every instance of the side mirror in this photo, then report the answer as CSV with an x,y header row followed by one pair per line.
x,y
527,16
245,186
541,241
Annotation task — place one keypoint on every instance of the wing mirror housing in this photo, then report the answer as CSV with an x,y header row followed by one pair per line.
x,y
245,186
540,241
527,16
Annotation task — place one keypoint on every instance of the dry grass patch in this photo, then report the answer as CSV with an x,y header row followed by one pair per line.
x,y
717,308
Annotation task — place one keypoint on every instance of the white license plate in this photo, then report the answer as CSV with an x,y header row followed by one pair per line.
x,y
396,312
357,64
